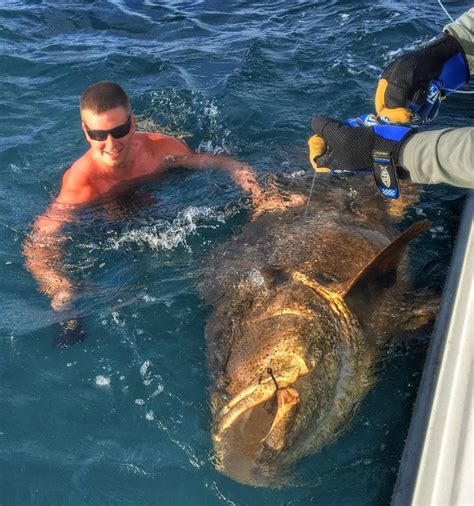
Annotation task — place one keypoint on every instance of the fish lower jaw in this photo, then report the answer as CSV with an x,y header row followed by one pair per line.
x,y
288,399
265,390
249,450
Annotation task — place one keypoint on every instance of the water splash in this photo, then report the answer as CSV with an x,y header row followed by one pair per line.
x,y
168,235
102,381
191,117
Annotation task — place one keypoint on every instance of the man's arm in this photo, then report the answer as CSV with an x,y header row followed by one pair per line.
x,y
440,156
43,251
43,248
463,30
241,173
244,176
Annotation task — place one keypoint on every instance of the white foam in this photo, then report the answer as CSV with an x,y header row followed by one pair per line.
x,y
165,235
117,320
256,278
102,381
145,369
20,168
297,173
149,415
158,390
209,147
135,469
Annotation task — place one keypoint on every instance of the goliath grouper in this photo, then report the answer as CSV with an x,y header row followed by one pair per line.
x,y
302,307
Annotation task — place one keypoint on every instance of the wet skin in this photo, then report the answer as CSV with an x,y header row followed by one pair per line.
x,y
106,167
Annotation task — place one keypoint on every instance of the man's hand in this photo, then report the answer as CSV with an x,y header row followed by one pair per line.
x,y
359,149
62,299
271,199
271,202
339,147
413,85
43,252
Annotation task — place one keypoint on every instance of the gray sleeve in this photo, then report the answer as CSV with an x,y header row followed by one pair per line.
x,y
440,156
463,30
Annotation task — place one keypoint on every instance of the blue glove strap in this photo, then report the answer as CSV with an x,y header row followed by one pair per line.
x,y
454,73
392,132
363,120
385,156
429,110
385,175
383,169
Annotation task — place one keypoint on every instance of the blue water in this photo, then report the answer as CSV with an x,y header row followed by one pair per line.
x,y
124,417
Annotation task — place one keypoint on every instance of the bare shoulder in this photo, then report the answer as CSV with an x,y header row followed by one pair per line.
x,y
164,145
76,184
79,173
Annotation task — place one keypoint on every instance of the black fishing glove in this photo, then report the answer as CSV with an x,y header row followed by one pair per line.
x,y
412,86
340,148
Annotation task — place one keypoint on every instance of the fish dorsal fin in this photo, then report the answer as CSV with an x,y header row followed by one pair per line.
x,y
380,273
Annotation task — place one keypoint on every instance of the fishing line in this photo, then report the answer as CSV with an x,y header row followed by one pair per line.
x,y
304,219
309,196
466,92
314,180
287,287
444,9
270,372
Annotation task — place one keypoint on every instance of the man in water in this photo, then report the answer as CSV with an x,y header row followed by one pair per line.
x,y
405,90
118,155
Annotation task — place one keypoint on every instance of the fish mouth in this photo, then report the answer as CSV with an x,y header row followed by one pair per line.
x,y
272,386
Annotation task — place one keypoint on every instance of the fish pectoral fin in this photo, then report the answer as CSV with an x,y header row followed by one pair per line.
x,y
288,399
379,273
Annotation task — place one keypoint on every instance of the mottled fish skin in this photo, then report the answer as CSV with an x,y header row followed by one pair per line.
x,y
289,359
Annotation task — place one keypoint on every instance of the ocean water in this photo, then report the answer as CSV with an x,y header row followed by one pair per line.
x,y
124,417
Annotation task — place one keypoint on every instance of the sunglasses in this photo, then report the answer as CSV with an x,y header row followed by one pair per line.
x,y
117,133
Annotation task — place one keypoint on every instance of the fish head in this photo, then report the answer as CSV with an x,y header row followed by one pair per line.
x,y
285,361
296,360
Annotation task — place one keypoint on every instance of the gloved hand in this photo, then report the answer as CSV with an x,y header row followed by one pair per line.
x,y
412,86
341,148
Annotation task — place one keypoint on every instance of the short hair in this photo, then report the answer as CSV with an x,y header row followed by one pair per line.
x,y
103,96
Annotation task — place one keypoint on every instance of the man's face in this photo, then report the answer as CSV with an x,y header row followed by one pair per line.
x,y
110,151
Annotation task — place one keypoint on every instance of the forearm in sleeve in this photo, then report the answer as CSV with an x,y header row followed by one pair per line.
x,y
463,30
440,156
